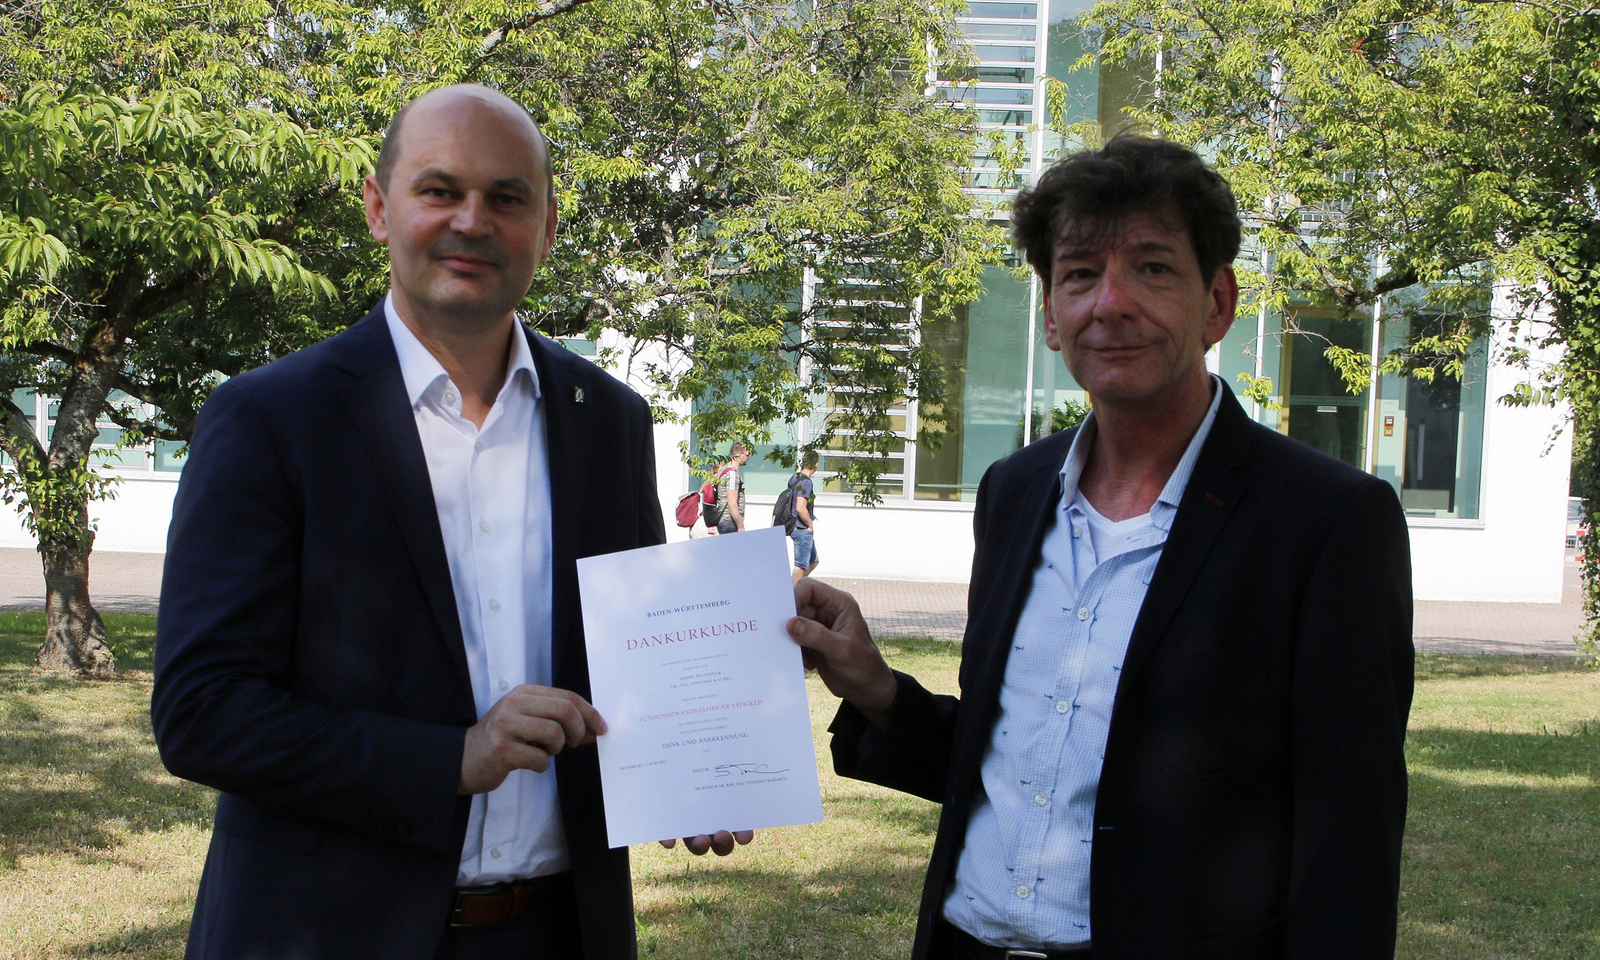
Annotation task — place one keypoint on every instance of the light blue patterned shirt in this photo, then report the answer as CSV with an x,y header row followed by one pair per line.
x,y
1023,877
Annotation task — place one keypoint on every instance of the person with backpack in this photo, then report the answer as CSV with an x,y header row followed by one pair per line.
x,y
803,513
725,512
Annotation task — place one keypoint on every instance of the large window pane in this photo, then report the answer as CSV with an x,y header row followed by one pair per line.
x,y
1430,434
1318,409
990,53
170,456
996,74
29,405
985,350
1009,118
1099,93
988,95
999,31
1237,352
1057,398
891,482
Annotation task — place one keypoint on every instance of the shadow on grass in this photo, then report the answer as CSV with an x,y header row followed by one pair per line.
x,y
77,787
161,940
1555,754
1440,666
133,639
919,647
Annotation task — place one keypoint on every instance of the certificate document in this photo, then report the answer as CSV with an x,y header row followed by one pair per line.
x,y
702,691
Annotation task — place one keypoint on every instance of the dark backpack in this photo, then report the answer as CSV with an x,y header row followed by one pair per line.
x,y
783,513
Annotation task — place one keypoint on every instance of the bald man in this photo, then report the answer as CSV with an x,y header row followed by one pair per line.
x,y
370,638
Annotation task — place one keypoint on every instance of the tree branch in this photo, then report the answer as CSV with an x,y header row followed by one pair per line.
x,y
154,300
146,428
45,349
498,36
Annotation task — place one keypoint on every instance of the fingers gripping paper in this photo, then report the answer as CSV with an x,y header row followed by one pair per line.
x,y
701,688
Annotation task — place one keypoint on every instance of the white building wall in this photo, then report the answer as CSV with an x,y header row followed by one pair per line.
x,y
1517,550
134,521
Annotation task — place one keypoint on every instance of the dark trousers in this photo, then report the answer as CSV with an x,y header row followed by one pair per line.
x,y
548,931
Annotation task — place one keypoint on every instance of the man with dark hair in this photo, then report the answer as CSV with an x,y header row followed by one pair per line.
x,y
370,640
1187,664
803,535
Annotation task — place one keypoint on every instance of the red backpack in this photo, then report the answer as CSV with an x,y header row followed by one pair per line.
x,y
690,505
688,508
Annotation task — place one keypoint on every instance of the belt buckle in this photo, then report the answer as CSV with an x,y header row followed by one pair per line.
x,y
1026,955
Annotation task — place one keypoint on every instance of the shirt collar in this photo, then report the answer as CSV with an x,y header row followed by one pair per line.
x,y
1166,504
421,370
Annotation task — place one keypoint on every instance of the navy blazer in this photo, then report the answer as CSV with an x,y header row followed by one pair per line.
x,y
309,660
1253,792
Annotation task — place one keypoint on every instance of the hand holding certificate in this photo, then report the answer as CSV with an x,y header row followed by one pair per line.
x,y
702,690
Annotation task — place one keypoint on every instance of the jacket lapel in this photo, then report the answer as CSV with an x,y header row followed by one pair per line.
x,y
1218,483
376,400
566,425
1033,518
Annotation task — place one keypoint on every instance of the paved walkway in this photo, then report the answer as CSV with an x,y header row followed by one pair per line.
x,y
130,582
906,608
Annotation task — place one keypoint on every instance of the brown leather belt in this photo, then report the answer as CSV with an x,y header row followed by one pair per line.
x,y
969,947
476,906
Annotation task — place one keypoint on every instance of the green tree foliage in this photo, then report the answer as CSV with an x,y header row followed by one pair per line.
x,y
1380,146
121,216
179,201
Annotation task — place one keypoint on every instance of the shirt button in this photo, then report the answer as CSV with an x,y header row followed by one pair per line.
x,y
1022,892
1040,799
483,525
478,446
495,853
504,686
449,397
1062,706
1083,613
494,604
1077,532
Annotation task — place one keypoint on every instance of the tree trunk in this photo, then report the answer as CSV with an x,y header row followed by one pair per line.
x,y
74,637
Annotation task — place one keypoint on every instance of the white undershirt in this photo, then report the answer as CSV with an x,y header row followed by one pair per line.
x,y
491,488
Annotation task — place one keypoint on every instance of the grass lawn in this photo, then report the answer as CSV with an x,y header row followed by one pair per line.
x,y
100,849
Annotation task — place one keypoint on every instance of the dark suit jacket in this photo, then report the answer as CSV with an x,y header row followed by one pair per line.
x,y
1253,791
309,660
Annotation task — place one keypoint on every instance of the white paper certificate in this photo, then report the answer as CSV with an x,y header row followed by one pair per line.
x,y
701,688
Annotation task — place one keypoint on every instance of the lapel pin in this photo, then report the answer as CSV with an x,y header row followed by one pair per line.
x,y
577,395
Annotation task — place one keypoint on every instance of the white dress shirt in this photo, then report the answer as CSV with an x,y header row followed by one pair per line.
x,y
491,487
1022,879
